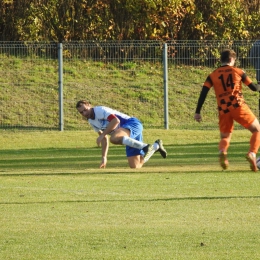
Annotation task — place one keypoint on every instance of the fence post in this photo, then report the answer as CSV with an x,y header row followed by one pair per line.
x,y
60,82
165,84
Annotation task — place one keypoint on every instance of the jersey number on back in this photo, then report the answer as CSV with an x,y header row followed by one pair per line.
x,y
229,81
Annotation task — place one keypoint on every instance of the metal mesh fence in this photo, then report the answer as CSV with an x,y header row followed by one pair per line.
x,y
28,86
189,63
127,76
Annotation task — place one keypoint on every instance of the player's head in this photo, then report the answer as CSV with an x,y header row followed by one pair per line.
x,y
228,56
85,109
82,102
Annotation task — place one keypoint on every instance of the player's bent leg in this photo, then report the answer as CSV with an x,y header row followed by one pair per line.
x,y
254,128
135,162
224,142
117,136
251,158
254,142
223,147
223,160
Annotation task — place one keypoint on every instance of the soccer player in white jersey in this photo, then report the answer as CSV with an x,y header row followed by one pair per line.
x,y
123,130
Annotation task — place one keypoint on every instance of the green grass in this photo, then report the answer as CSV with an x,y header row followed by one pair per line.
x,y
29,92
57,204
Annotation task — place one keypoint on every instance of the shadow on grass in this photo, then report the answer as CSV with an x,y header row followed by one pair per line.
x,y
134,200
82,159
115,171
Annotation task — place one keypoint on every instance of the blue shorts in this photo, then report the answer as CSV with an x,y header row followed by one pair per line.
x,y
136,132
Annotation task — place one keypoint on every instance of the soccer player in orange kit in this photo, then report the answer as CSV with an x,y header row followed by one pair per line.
x,y
227,82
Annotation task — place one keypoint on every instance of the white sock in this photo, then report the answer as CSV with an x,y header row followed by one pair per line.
x,y
155,146
133,143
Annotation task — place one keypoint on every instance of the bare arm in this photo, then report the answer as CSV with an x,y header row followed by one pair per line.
x,y
111,126
105,147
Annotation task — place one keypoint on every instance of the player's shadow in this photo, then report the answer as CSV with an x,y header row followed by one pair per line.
x,y
133,200
62,161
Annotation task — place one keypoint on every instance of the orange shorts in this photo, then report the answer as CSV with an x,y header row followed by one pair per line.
x,y
243,115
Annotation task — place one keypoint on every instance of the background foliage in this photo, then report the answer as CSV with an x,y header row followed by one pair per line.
x,y
73,20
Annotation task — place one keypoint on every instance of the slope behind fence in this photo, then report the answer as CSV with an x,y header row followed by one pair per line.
x,y
124,75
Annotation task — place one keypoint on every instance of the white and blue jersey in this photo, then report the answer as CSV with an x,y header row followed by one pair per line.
x,y
103,117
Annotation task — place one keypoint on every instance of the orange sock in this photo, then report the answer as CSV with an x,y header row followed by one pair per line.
x,y
255,142
223,145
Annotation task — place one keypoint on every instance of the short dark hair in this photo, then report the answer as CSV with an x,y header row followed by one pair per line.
x,y
227,54
82,102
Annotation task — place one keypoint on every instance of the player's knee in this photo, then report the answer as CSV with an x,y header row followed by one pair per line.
x,y
135,166
115,140
255,126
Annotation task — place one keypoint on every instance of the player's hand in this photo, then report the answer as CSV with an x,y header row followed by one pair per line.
x,y
103,163
197,117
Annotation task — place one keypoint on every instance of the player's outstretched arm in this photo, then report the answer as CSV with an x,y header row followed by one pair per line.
x,y
104,147
254,87
202,97
103,163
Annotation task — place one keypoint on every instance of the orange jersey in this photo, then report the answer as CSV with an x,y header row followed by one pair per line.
x,y
227,83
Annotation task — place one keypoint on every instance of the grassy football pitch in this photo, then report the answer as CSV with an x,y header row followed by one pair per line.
x,y
57,204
